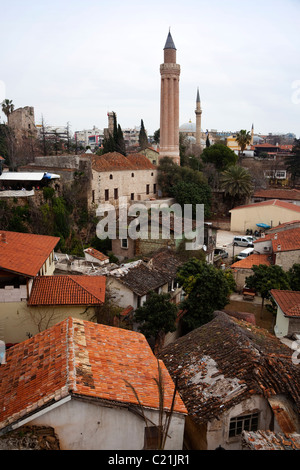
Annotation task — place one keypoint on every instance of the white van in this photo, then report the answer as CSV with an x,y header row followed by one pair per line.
x,y
243,254
242,241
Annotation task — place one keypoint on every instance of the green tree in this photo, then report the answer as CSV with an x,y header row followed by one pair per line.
x,y
207,289
7,107
156,136
186,192
265,278
293,162
243,138
207,143
156,317
237,183
294,277
143,139
220,156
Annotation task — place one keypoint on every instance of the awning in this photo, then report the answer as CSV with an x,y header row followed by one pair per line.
x,y
266,226
26,176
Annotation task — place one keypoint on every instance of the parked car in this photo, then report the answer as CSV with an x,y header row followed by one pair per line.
x,y
220,252
243,254
242,241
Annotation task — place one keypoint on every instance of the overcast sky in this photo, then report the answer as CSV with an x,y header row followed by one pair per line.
x,y
74,61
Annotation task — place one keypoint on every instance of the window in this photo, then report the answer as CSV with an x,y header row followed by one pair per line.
x,y
110,177
116,193
106,195
93,196
124,243
132,196
147,188
243,423
154,188
132,175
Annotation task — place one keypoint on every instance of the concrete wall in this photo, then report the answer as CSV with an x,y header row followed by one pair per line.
x,y
81,425
19,321
247,218
282,324
218,429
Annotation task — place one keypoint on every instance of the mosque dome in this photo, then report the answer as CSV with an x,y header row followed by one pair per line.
x,y
188,127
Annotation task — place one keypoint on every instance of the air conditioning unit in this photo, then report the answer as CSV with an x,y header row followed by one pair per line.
x,y
267,249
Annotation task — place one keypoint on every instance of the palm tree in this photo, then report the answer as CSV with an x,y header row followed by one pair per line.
x,y
236,182
7,107
243,138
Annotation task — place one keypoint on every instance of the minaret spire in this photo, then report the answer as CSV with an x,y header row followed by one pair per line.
x,y
198,112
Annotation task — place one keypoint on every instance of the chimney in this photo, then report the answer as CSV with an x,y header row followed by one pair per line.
x,y
275,236
278,247
3,237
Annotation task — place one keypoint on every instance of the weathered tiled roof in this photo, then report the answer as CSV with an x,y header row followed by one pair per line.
x,y
278,193
25,253
77,358
250,261
268,440
286,240
96,254
115,161
288,301
227,361
68,290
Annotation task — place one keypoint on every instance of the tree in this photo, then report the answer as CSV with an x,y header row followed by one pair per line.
x,y
293,162
294,277
265,278
115,142
156,317
7,107
143,139
220,155
207,289
207,143
156,136
243,138
186,192
236,182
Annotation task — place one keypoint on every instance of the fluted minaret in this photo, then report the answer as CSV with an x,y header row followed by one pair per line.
x,y
169,103
252,134
198,112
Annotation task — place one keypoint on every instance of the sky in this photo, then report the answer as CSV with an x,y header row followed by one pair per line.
x,y
74,61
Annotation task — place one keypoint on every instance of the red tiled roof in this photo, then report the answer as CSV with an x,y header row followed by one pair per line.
x,y
287,240
25,253
115,161
68,290
279,194
288,301
250,261
96,254
84,359
271,202
285,224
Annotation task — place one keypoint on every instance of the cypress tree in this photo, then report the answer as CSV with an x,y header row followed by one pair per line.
x,y
143,139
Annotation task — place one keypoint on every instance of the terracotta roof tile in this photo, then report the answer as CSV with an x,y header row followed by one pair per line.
x,y
271,202
25,253
250,261
286,240
80,358
268,440
115,161
96,254
279,194
68,290
288,301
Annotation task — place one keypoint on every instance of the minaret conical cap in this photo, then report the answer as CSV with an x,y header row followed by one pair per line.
x,y
169,43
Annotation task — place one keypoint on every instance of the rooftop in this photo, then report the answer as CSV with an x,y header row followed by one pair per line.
x,y
96,254
225,362
288,301
25,253
293,194
271,202
80,359
67,290
115,161
268,440
250,261
286,240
